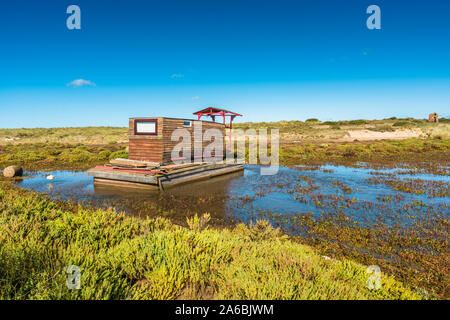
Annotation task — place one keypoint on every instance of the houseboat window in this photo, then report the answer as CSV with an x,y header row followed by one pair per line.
x,y
187,123
145,127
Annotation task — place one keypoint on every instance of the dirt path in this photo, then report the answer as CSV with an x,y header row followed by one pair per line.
x,y
368,135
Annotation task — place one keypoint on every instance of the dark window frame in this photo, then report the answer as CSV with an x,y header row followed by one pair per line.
x,y
155,121
190,123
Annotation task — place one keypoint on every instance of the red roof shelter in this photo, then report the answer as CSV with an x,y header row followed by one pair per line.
x,y
213,112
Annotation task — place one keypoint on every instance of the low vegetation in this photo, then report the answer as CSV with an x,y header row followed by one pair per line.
x,y
429,152
311,130
47,156
314,130
83,135
417,186
426,151
124,258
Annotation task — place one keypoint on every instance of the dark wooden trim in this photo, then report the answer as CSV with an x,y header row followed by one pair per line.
x,y
144,133
193,120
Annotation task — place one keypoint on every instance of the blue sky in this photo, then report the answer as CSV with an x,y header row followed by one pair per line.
x,y
269,60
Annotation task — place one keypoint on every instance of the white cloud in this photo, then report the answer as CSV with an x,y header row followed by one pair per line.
x,y
177,75
80,82
195,98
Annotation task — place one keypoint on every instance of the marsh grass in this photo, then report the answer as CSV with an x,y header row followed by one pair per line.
x,y
313,130
43,156
84,135
417,186
125,258
310,130
432,154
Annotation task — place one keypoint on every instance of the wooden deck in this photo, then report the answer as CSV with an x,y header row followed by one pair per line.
x,y
162,177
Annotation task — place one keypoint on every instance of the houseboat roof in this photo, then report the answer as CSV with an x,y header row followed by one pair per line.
x,y
133,118
216,111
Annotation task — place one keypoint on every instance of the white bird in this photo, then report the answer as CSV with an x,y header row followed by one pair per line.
x,y
50,177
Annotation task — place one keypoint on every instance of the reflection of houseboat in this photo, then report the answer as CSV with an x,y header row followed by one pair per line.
x,y
210,196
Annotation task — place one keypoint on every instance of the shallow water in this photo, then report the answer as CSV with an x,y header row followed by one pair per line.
x,y
249,195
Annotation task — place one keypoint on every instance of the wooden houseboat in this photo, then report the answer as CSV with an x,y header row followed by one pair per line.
x,y
150,139
151,163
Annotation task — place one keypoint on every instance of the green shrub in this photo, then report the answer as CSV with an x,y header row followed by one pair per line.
x,y
198,224
56,156
119,154
82,147
357,122
401,124
76,155
104,155
23,134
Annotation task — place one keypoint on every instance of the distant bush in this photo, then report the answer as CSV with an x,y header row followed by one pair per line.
x,y
401,124
112,142
358,122
76,155
81,147
23,134
312,120
444,120
119,154
104,155
349,152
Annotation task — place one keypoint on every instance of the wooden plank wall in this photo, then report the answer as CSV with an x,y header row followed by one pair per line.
x,y
146,147
158,148
171,124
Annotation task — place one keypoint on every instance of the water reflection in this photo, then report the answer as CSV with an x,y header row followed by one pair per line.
x,y
247,195
206,196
